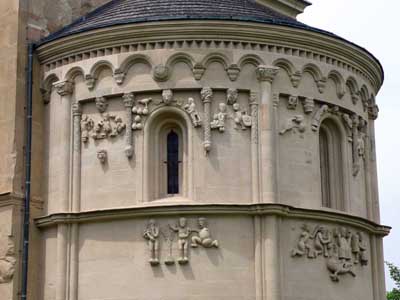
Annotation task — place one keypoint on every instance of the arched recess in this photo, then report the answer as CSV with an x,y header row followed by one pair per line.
x,y
333,159
216,57
317,75
180,57
353,88
132,60
289,68
339,82
99,66
47,87
160,124
73,73
251,59
364,93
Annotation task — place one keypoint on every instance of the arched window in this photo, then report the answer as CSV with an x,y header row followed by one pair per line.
x,y
331,165
172,163
167,167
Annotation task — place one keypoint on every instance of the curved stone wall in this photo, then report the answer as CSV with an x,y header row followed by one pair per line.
x,y
248,109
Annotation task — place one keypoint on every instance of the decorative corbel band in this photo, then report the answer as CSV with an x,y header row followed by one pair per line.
x,y
129,100
64,88
207,96
266,73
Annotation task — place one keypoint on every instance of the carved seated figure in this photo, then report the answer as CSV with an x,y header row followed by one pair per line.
x,y
219,118
204,236
190,108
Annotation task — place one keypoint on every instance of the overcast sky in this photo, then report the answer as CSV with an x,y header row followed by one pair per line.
x,y
374,25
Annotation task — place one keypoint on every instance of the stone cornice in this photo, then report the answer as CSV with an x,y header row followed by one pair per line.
x,y
279,39
213,209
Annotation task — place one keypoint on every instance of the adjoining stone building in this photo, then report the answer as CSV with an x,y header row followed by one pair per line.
x,y
210,149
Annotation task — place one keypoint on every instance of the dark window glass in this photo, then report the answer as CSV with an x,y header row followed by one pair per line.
x,y
173,162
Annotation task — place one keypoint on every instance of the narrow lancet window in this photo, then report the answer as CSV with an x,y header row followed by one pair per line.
x,y
173,163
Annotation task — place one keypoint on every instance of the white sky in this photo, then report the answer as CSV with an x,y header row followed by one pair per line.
x,y
375,26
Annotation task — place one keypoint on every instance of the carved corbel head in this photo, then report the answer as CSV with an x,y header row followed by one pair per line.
x,y
292,102
64,88
321,84
231,96
101,104
308,105
167,96
233,72
295,79
119,76
46,95
198,71
373,111
90,81
102,156
206,94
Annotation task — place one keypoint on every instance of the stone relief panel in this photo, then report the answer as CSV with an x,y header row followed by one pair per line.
x,y
7,247
343,249
180,233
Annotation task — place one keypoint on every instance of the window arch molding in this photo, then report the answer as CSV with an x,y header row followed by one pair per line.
x,y
156,129
333,149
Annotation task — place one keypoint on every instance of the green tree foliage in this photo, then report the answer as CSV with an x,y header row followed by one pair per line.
x,y
395,275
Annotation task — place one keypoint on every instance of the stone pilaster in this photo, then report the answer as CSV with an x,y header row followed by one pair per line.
x,y
254,148
206,97
129,100
266,75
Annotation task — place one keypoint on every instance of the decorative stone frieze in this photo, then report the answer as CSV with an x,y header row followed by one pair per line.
x,y
180,232
109,126
342,249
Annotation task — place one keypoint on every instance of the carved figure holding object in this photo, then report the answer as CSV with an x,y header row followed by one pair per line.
x,y
204,236
151,234
241,118
343,242
190,108
359,248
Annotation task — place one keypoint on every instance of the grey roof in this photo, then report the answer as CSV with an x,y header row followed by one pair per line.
x,y
118,12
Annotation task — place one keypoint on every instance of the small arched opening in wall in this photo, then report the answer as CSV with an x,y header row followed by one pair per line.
x,y
167,155
332,157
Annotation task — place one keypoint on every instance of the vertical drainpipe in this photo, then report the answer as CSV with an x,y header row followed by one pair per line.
x,y
28,154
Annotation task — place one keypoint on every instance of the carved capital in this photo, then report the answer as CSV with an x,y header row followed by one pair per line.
x,y
206,95
266,73
76,109
129,99
64,88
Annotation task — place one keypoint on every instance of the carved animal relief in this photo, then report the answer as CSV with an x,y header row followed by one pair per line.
x,y
182,234
342,249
